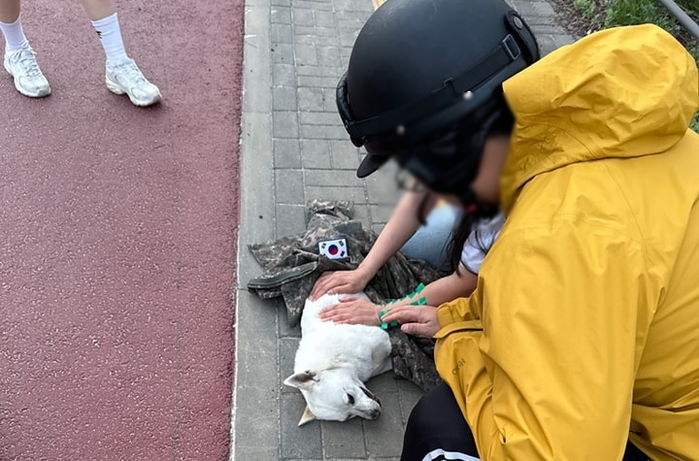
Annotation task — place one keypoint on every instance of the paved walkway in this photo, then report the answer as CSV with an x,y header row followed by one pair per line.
x,y
117,249
295,52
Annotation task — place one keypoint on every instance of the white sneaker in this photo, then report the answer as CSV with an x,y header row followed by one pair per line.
x,y
29,80
127,78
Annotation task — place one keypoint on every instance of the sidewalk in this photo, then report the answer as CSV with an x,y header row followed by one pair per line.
x,y
293,140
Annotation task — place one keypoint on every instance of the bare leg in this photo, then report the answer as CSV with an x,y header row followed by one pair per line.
x,y
97,9
9,11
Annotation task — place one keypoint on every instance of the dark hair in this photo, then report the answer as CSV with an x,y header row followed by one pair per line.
x,y
458,240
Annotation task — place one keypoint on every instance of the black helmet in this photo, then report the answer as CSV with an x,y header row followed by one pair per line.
x,y
424,84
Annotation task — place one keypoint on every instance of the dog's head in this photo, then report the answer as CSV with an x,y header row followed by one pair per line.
x,y
334,395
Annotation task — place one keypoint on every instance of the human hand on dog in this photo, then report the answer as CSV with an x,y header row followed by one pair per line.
x,y
352,310
415,320
352,281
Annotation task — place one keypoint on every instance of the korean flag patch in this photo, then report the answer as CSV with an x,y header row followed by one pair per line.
x,y
333,249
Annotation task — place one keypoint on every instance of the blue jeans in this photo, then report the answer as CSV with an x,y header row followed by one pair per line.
x,y
430,241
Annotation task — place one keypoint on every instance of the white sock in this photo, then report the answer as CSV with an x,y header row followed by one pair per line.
x,y
109,33
14,36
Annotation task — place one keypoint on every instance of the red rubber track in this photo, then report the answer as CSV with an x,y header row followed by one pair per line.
x,y
117,253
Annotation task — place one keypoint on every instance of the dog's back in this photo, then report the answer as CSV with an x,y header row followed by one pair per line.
x,y
334,360
324,344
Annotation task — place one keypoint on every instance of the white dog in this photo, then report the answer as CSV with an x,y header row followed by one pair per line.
x,y
332,363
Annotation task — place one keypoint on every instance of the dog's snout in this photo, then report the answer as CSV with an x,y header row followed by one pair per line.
x,y
371,396
374,414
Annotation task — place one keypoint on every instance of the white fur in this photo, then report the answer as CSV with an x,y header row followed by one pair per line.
x,y
332,363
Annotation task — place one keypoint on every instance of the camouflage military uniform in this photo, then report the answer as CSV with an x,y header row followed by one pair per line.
x,y
292,266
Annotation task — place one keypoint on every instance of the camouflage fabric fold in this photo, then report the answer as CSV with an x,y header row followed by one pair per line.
x,y
292,265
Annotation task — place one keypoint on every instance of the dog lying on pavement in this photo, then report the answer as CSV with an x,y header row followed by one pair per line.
x,y
332,363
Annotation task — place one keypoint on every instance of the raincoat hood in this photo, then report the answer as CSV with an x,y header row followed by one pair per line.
x,y
623,92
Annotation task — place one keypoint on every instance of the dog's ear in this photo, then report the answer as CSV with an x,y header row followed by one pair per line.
x,y
303,380
306,417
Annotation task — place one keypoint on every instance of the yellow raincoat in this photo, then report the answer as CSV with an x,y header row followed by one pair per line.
x,y
583,331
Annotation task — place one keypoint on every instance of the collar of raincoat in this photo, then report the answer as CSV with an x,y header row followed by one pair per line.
x,y
623,92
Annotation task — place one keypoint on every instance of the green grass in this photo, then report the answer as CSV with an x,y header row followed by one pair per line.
x,y
627,12
586,7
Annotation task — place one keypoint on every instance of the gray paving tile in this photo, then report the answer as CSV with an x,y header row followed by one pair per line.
x,y
310,99
298,442
380,213
287,353
329,100
281,15
409,394
324,132
320,118
345,53
383,384
305,55
355,194
257,348
344,155
283,75
343,440
361,213
289,186
332,178
291,219
313,5
283,53
562,39
535,9
321,71
329,56
256,394
281,33
317,82
324,18
309,31
285,124
315,153
546,28
284,98
384,436
303,16
377,227
382,188
348,37
353,5
287,153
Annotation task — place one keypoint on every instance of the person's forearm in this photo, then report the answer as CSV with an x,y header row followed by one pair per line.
x,y
446,289
400,227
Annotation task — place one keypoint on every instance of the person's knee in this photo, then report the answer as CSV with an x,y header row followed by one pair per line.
x,y
433,409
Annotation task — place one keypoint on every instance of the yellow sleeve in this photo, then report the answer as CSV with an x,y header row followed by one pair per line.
x,y
550,376
457,310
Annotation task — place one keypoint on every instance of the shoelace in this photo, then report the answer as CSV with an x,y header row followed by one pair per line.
x,y
27,59
130,72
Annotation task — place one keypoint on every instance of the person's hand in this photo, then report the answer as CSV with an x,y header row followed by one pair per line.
x,y
415,320
352,310
340,282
